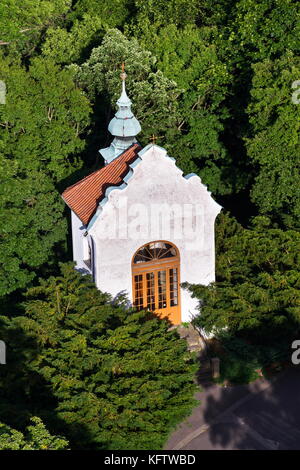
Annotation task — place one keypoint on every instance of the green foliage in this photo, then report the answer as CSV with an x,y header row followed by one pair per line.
x,y
254,306
40,128
21,26
66,46
36,437
189,56
43,118
112,13
266,28
242,360
257,288
274,145
120,378
179,12
155,96
236,370
32,224
213,80
89,21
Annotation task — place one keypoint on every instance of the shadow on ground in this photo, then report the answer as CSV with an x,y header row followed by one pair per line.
x,y
263,415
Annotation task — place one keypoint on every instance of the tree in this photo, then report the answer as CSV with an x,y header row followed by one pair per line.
x,y
88,22
21,27
32,225
253,308
43,119
113,13
154,95
179,12
121,379
190,56
256,295
274,142
36,437
40,138
264,29
65,46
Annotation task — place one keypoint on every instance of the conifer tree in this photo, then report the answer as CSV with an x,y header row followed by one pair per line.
x,y
256,293
122,379
36,437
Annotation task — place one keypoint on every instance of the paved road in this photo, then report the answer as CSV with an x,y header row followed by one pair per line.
x,y
262,415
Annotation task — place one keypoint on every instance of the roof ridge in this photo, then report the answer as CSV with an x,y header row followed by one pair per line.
x,y
84,196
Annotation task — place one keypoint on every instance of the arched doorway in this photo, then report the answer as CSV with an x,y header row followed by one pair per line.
x,y
156,279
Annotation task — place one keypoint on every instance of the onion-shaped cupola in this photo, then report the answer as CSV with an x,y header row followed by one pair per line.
x,y
124,126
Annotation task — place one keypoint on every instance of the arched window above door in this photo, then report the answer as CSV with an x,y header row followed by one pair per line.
x,y
155,252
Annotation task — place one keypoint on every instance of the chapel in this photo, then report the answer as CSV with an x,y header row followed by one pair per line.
x,y
140,227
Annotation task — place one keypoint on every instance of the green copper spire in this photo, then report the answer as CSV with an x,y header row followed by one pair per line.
x,y
124,126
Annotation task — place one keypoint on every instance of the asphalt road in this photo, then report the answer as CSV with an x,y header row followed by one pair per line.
x,y
262,416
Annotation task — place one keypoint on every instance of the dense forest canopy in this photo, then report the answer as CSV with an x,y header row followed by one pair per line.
x,y
213,79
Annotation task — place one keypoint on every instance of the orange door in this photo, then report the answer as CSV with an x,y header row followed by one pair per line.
x,y
156,284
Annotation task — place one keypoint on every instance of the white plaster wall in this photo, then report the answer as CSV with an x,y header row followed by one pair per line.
x,y
78,243
155,180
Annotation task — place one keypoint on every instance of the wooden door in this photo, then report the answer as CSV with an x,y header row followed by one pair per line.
x,y
156,283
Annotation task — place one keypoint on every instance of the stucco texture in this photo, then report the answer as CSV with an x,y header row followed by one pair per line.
x,y
130,218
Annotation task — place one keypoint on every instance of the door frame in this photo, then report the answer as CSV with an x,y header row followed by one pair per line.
x,y
155,266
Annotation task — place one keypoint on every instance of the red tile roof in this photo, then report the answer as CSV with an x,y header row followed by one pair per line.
x,y
83,197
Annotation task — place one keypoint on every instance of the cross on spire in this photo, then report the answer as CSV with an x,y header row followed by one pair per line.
x,y
153,139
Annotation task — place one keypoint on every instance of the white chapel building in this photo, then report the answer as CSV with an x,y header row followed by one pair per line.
x,y
140,227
